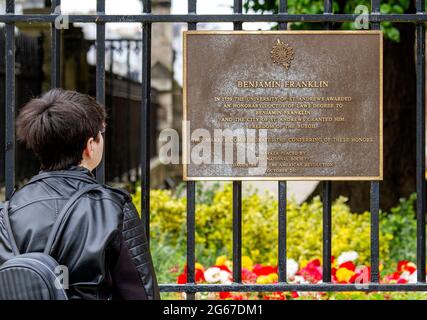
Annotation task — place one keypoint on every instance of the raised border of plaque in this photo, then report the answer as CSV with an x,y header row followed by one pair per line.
x,y
185,140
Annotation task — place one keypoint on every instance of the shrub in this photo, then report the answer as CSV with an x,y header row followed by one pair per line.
x,y
259,221
401,225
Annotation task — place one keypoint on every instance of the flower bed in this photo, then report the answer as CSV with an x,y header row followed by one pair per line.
x,y
345,270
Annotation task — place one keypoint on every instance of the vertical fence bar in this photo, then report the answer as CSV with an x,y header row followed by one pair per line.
x,y
192,9
191,235
191,199
421,189
237,194
237,8
237,231
282,186
55,77
145,119
375,196
282,231
327,231
283,8
110,47
375,250
327,194
327,9
10,103
100,75
128,107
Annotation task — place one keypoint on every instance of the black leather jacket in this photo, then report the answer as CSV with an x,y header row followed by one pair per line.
x,y
103,245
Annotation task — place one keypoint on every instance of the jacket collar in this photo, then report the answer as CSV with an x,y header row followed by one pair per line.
x,y
75,170
81,169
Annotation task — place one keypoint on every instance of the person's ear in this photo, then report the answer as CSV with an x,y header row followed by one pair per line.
x,y
88,151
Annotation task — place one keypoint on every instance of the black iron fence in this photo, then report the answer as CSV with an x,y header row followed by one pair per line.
x,y
146,18
29,78
123,99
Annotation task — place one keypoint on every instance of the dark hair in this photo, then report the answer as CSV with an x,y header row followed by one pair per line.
x,y
57,126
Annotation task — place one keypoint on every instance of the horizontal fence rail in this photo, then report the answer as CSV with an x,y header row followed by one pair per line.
x,y
146,19
292,287
193,18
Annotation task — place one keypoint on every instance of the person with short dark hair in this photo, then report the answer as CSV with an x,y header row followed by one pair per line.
x,y
103,244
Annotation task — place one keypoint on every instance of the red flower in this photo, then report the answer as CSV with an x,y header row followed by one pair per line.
x,y
275,296
182,278
294,294
314,262
353,278
406,265
224,295
223,267
312,271
260,270
200,277
392,277
248,276
281,296
411,269
348,265
401,265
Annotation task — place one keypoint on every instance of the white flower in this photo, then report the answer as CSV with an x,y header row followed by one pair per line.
x,y
291,267
405,275
413,277
212,275
300,279
410,277
347,256
224,277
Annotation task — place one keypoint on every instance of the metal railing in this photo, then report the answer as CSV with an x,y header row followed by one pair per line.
x,y
146,18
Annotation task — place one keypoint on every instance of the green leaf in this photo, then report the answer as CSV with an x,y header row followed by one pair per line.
x,y
405,4
398,9
385,8
393,34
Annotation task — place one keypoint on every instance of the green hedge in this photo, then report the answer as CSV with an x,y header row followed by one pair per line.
x,y
350,231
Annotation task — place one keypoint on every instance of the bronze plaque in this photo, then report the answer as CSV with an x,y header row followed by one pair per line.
x,y
293,105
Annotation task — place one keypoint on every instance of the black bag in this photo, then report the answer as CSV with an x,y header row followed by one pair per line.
x,y
34,276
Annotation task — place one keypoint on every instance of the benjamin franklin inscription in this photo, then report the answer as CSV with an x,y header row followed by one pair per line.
x,y
294,105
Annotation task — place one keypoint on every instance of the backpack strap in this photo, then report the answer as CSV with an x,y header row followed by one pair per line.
x,y
63,216
57,226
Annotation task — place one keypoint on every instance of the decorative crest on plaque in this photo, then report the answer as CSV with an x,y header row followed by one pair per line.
x,y
282,53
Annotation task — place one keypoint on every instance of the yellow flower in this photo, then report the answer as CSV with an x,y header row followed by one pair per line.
x,y
273,277
220,261
343,274
247,263
262,280
199,266
303,263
